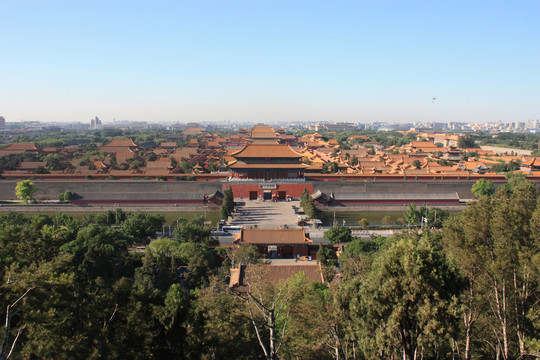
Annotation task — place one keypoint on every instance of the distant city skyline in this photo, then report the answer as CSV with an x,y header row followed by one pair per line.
x,y
270,61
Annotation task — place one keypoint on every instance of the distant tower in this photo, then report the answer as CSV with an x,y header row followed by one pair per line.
x,y
95,123
2,122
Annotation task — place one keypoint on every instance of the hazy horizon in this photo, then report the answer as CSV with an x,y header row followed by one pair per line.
x,y
270,61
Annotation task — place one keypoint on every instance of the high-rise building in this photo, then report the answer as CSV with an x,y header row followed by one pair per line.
x,y
2,122
533,126
95,123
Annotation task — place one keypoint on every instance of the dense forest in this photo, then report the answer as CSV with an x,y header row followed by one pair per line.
x,y
77,289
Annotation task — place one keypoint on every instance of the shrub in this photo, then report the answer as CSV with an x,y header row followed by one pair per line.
x,y
66,196
364,222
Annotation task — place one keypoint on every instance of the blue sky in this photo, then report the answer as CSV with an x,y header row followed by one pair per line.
x,y
270,60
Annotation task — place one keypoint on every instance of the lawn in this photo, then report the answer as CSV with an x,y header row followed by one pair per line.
x,y
170,216
353,217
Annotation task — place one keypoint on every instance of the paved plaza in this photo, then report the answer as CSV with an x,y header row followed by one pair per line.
x,y
265,214
269,215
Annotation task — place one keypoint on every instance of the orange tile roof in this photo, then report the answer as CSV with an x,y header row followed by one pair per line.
x,y
121,172
49,149
28,165
248,275
272,236
267,151
193,131
155,172
423,144
263,131
117,149
532,162
119,143
124,155
243,165
21,146
158,164
183,153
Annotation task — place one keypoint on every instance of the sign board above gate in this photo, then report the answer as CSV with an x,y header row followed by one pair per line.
x,y
267,186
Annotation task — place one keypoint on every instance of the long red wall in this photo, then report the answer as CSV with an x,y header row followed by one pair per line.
x,y
394,202
138,202
410,178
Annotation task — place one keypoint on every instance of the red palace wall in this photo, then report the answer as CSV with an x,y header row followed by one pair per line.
x,y
242,191
394,202
138,202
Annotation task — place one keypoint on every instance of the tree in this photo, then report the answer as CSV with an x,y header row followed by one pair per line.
x,y
223,213
318,325
199,262
41,170
269,307
330,168
416,163
99,251
495,243
365,247
245,254
338,235
354,160
227,206
503,167
135,164
55,162
513,248
466,142
406,302
213,167
516,180
483,187
412,215
323,254
304,196
309,208
219,327
9,316
444,162
364,222
467,241
387,220
194,231
66,196
25,189
164,257
140,227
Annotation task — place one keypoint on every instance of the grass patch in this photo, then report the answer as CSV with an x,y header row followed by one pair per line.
x,y
352,218
170,217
